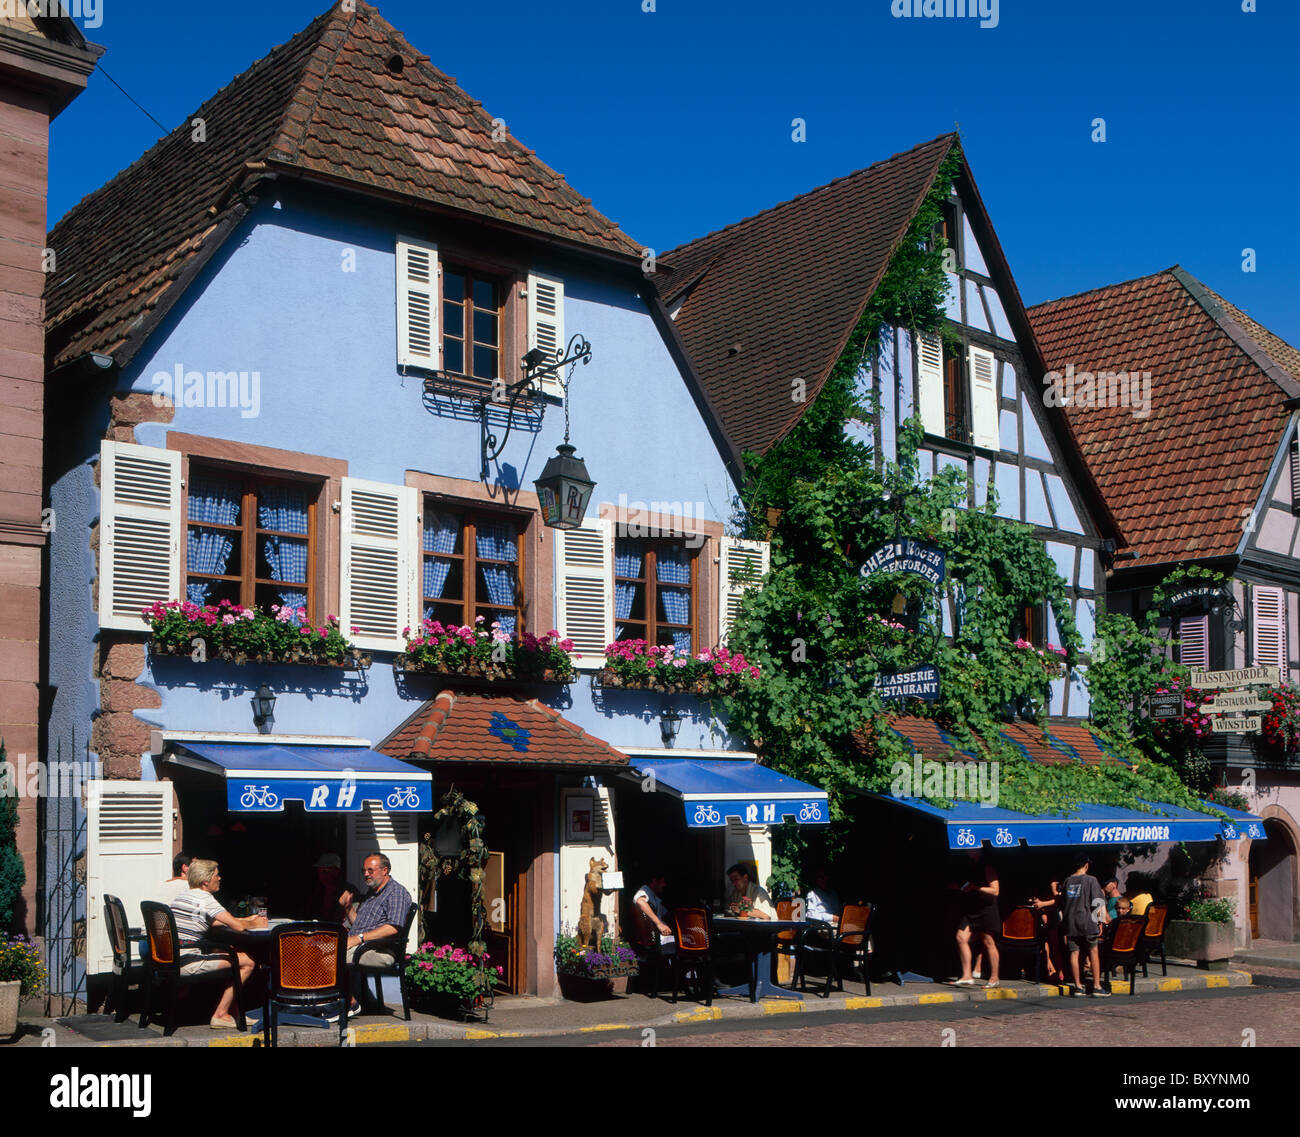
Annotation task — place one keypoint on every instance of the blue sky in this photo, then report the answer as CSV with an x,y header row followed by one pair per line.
x,y
678,121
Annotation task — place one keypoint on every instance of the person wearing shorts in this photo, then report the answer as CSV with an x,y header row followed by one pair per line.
x,y
1083,914
980,919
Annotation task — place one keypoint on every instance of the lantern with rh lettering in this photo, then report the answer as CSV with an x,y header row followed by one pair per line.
x,y
564,489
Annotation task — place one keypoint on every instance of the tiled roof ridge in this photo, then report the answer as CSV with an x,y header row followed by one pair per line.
x,y
1042,306
288,136
572,727
952,135
1214,307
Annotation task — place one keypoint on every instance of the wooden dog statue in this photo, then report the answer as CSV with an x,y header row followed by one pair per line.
x,y
591,924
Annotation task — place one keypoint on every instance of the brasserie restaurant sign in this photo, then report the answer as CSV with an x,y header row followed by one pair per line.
x,y
923,683
906,555
1238,677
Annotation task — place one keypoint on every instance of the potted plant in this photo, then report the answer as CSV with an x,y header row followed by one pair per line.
x,y
1207,933
486,652
639,666
586,975
237,634
22,975
450,981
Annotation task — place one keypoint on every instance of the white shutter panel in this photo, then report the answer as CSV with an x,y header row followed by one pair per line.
x,y
140,532
984,398
128,855
1270,628
1295,475
584,571
546,324
371,830
379,585
418,342
741,565
929,383
1194,641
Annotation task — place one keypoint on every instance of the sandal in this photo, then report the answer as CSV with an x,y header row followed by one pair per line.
x,y
223,1022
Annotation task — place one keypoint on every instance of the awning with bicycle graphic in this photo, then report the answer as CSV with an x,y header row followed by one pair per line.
x,y
970,825
260,778
715,790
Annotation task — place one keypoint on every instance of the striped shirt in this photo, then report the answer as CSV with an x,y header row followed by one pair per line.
x,y
195,910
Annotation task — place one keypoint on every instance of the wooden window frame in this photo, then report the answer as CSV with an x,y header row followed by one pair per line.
x,y
470,513
1030,624
650,580
504,286
956,399
250,532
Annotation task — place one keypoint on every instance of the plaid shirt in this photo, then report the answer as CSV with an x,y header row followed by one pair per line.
x,y
388,906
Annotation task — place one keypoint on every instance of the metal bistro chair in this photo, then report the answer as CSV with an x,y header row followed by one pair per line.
x,y
1124,950
163,966
652,955
397,946
851,944
1153,937
694,951
1021,935
307,976
121,938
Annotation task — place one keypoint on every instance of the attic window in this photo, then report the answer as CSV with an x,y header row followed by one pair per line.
x,y
396,64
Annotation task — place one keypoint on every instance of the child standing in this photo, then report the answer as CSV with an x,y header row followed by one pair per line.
x,y
1083,912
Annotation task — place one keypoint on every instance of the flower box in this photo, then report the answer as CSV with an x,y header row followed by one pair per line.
x,y
354,660
486,654
236,634
634,665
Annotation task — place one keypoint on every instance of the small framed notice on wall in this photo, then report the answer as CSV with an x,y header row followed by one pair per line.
x,y
580,818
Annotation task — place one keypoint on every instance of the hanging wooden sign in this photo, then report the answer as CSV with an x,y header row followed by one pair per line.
x,y
906,555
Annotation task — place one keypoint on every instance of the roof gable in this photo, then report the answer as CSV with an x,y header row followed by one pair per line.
x,y
347,100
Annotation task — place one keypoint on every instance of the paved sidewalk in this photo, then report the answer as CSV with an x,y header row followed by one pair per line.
x,y
531,1017
1269,953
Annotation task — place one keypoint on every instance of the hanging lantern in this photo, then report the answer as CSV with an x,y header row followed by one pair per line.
x,y
564,489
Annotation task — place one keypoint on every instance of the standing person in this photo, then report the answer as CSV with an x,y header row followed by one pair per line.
x,y
196,910
649,901
380,915
178,882
1048,906
746,895
1083,913
980,918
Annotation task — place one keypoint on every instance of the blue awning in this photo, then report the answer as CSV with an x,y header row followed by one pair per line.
x,y
326,779
969,824
714,790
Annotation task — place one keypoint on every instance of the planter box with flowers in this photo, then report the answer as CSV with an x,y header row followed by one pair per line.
x,y
1051,662
22,975
638,666
486,653
240,635
452,982
586,975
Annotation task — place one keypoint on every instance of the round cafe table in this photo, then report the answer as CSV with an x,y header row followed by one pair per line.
x,y
758,937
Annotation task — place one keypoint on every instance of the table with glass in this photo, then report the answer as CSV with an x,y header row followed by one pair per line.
x,y
758,937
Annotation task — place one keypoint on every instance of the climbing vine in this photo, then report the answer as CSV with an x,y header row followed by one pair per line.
x,y
470,862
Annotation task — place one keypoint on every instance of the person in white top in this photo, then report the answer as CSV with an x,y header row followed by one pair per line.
x,y
196,911
647,899
746,896
822,901
166,892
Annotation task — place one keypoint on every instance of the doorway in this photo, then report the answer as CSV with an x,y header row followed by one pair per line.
x,y
1273,884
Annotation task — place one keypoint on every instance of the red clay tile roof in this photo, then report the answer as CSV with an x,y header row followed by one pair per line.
x,y
1059,743
327,105
788,285
1180,481
498,728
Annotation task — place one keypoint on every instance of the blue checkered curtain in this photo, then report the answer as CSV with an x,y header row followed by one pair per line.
x,y
672,565
283,508
496,541
435,576
440,532
676,603
627,559
207,551
500,582
682,641
214,500
287,557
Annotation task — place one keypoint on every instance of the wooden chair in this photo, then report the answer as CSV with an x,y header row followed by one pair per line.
x,y
307,976
1153,937
787,942
1021,935
163,967
694,954
396,945
121,938
1124,950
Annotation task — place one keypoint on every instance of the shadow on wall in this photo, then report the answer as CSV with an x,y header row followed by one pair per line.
x,y
229,681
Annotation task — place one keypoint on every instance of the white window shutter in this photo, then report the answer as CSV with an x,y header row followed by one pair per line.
x,y
546,324
418,342
1194,641
929,383
984,399
740,566
584,593
1270,628
1295,475
379,585
128,855
371,830
139,533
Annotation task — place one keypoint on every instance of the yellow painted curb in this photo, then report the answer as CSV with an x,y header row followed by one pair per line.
x,y
1217,981
699,1015
1001,993
780,1007
942,997
861,1002
1119,987
381,1034
1169,984
605,1026
237,1040
493,1034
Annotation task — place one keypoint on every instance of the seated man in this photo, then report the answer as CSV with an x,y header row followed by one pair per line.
x,y
746,895
196,910
380,915
177,883
1139,893
822,902
648,900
